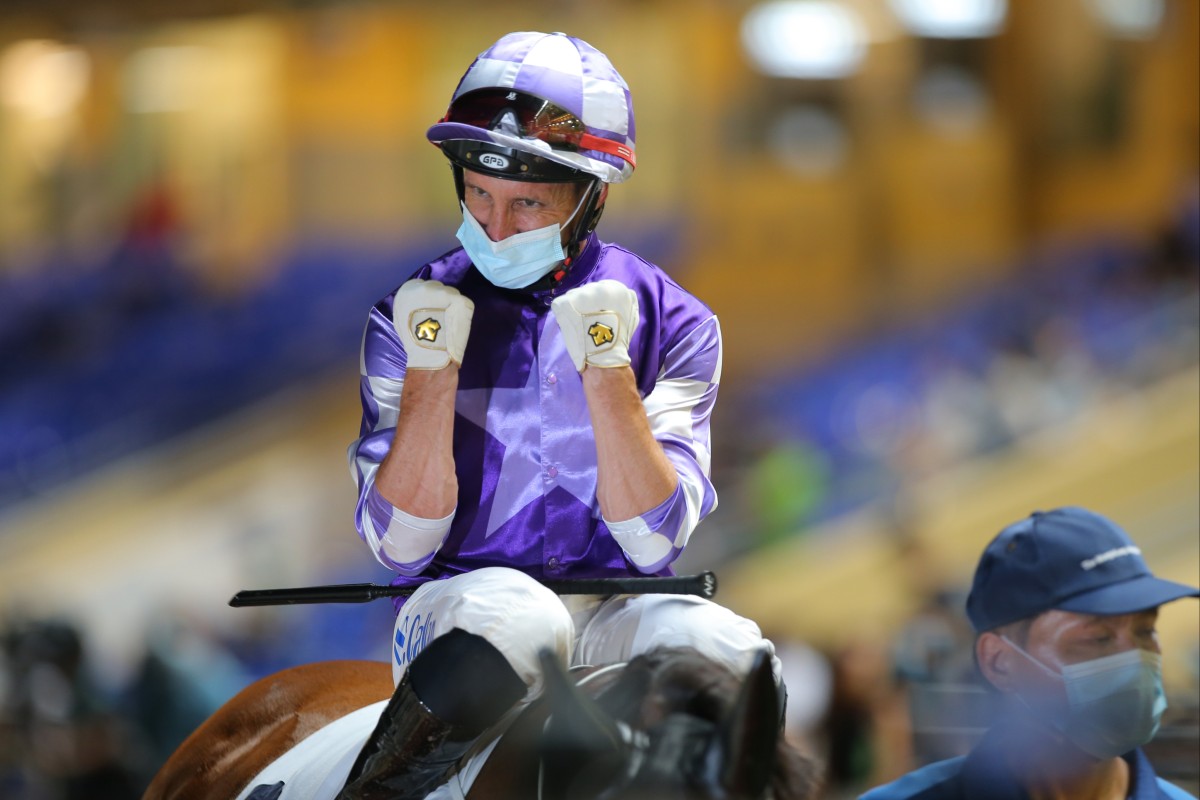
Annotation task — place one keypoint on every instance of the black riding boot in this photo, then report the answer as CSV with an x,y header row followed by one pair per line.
x,y
453,691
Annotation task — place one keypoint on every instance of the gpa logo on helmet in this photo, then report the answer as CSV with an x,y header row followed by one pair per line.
x,y
493,161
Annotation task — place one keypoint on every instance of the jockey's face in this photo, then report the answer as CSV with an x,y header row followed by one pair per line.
x,y
503,208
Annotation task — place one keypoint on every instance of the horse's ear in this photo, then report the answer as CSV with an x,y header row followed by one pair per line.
x,y
582,748
750,733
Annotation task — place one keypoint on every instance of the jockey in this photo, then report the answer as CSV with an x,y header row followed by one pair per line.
x,y
536,405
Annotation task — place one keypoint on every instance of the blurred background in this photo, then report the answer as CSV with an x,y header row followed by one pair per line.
x,y
954,247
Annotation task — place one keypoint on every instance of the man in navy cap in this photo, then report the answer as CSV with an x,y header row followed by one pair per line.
x,y
1064,608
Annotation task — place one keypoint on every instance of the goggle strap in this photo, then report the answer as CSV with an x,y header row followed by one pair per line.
x,y
591,142
621,151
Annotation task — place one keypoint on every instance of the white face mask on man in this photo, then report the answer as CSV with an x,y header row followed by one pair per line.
x,y
519,260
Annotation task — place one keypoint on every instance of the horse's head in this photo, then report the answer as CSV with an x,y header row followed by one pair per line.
x,y
671,725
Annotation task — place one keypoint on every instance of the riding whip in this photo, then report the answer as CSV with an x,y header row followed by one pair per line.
x,y
703,584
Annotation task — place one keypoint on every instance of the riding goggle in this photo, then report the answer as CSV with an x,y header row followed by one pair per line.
x,y
534,117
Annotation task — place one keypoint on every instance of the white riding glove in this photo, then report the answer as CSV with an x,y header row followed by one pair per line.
x,y
433,321
597,321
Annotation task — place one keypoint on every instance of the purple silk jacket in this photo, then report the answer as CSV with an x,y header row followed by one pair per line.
x,y
524,451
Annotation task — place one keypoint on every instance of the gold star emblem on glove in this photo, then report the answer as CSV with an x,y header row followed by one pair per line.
x,y
427,331
600,333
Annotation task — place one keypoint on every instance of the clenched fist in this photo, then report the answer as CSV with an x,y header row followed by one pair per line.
x,y
597,321
433,321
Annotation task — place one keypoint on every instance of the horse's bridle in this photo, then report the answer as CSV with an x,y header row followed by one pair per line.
x,y
608,672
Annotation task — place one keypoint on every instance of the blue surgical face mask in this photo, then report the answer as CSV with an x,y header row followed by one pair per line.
x,y
519,260
1114,703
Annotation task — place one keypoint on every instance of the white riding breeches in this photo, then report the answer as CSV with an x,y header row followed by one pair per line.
x,y
520,617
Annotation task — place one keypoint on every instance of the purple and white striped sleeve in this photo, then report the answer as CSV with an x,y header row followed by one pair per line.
x,y
680,410
399,540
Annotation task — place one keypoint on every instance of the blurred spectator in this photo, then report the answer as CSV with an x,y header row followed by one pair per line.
x,y
145,268
946,705
960,416
866,732
785,484
808,676
186,674
63,738
934,645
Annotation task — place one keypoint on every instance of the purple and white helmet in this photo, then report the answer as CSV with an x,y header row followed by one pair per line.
x,y
535,103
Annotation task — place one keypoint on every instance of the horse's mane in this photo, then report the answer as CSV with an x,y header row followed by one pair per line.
x,y
669,680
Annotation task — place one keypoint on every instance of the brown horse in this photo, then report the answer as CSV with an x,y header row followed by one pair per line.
x,y
669,724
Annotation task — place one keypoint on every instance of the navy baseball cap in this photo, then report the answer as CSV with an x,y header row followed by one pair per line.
x,y
1069,559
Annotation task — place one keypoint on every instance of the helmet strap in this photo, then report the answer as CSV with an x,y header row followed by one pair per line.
x,y
592,211
460,186
588,218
